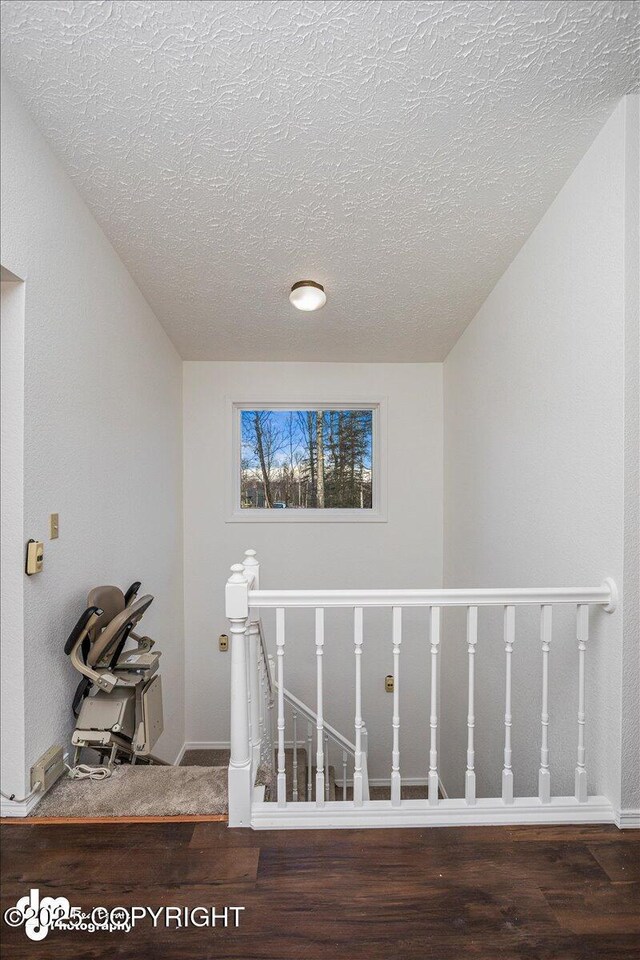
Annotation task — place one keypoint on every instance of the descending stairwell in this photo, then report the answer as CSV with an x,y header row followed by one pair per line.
x,y
303,784
220,759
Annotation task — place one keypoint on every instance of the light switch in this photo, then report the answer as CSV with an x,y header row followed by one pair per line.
x,y
35,557
53,526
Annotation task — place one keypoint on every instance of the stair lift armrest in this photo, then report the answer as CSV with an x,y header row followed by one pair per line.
x,y
132,593
103,678
144,643
85,623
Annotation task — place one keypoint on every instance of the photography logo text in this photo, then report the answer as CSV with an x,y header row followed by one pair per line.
x,y
38,916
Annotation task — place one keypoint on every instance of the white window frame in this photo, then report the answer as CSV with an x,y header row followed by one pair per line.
x,y
378,511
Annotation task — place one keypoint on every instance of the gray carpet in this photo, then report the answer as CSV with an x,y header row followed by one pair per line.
x,y
205,758
140,791
197,787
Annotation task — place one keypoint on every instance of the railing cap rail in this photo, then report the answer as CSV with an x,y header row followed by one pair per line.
x,y
606,595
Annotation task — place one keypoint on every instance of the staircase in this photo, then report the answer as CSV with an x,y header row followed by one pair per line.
x,y
219,760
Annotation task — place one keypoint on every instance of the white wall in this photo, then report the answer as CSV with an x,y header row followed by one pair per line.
x,y
12,552
102,443
631,582
405,551
534,398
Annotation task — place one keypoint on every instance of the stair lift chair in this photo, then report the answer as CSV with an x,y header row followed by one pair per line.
x,y
118,702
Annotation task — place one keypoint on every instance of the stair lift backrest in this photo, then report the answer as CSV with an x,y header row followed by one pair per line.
x,y
111,601
106,643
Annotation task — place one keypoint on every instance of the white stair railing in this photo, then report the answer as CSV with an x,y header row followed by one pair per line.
x,y
250,668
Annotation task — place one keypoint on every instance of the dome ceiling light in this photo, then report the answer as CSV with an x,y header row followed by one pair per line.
x,y
308,295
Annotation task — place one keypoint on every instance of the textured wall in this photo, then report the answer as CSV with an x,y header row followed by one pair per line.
x,y
405,551
102,439
12,553
399,152
631,585
534,478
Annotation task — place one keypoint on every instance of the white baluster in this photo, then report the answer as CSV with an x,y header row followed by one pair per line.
x,y
433,717
472,639
271,703
396,782
326,764
261,699
295,755
319,708
252,573
309,763
357,771
544,777
264,702
344,774
582,631
239,777
247,660
365,763
509,636
282,777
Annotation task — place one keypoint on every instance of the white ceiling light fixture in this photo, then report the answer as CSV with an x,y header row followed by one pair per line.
x,y
307,295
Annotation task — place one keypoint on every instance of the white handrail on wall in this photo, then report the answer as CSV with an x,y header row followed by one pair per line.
x,y
250,665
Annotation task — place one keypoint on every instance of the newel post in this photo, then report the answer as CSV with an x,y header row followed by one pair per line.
x,y
252,573
240,778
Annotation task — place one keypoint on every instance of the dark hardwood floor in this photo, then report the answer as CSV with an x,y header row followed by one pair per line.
x,y
567,893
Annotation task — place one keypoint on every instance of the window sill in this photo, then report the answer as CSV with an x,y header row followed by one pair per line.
x,y
295,515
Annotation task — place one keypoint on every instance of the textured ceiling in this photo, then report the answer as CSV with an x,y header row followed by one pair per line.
x,y
398,152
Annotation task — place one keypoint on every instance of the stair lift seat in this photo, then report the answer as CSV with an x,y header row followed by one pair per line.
x,y
118,702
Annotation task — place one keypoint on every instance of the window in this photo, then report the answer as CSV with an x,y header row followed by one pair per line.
x,y
317,461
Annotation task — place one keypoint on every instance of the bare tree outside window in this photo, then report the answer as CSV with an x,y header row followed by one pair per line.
x,y
306,459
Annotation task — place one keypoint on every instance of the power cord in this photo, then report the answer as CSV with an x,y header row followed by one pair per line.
x,y
37,787
83,771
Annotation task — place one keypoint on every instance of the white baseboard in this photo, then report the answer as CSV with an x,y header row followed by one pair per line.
x,y
10,808
628,819
418,813
180,755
